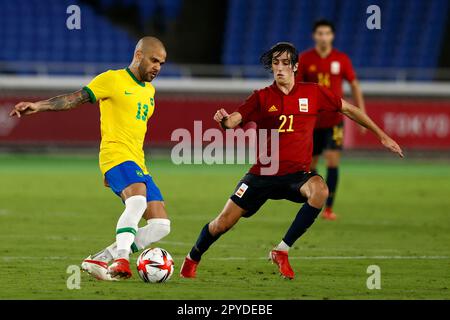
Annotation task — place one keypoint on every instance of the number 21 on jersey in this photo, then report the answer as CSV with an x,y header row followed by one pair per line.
x,y
286,123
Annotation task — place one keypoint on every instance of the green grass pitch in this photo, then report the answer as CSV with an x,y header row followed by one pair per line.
x,y
395,214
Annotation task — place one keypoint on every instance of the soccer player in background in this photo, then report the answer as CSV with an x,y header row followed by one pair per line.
x,y
291,108
127,101
328,67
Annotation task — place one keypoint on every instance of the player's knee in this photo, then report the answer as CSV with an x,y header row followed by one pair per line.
x,y
319,194
136,203
333,159
135,207
164,227
155,230
158,228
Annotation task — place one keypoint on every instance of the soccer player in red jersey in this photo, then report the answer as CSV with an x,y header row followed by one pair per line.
x,y
291,108
328,67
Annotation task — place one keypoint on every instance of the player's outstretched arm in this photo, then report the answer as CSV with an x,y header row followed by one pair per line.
x,y
227,121
58,103
357,95
363,119
358,98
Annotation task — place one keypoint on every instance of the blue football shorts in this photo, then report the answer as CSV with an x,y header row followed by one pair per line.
x,y
127,173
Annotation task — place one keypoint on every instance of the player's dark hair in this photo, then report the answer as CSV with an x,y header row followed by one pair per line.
x,y
321,23
276,51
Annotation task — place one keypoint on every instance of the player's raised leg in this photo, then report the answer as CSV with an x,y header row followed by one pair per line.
x,y
316,191
158,226
229,216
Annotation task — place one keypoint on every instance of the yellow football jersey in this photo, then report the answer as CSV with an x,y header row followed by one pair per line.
x,y
126,104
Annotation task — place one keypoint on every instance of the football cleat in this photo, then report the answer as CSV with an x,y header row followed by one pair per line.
x,y
280,258
96,268
189,268
120,269
328,214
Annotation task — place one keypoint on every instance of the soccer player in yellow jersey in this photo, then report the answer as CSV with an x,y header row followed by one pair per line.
x,y
127,101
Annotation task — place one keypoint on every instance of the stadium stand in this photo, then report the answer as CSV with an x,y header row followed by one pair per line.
x,y
39,37
402,43
27,39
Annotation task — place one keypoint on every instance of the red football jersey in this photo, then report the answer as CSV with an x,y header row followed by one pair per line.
x,y
328,72
294,116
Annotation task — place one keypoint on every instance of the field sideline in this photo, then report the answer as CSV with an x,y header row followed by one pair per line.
x,y
54,211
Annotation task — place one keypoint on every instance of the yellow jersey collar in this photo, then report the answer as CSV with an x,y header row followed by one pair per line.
x,y
142,84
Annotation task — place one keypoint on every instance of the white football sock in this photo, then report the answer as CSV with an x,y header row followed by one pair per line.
x,y
127,225
107,254
155,230
282,246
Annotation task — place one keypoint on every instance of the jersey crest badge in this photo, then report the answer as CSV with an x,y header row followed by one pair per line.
x,y
335,67
303,104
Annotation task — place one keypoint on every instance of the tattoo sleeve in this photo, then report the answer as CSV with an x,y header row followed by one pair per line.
x,y
67,101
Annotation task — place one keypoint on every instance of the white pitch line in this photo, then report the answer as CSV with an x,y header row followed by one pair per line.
x,y
344,258
10,258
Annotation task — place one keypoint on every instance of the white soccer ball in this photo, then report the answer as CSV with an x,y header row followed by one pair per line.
x,y
155,265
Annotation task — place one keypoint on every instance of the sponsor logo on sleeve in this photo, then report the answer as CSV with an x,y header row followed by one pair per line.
x,y
240,192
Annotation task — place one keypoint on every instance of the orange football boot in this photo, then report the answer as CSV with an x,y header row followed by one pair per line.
x,y
189,268
328,214
120,268
280,258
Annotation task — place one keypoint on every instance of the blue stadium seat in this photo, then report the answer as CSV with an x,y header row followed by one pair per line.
x,y
41,35
402,43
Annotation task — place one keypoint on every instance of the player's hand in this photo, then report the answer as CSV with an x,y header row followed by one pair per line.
x,y
220,115
24,108
392,145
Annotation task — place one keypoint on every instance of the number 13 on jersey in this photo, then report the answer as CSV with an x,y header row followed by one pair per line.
x,y
139,114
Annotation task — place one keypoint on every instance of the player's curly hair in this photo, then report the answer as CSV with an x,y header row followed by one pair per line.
x,y
277,50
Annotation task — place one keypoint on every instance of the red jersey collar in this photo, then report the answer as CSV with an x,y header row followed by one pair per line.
x,y
327,56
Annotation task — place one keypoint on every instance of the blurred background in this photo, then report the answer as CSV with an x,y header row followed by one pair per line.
x,y
213,51
392,213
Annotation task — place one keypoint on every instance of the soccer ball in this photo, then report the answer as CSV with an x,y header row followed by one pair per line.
x,y
155,265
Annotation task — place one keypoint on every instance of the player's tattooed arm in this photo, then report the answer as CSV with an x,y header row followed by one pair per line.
x,y
58,103
359,116
227,121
